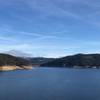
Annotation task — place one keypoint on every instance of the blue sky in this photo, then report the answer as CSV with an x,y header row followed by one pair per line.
x,y
50,28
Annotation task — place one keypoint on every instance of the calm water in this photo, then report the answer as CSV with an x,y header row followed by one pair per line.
x,y
50,84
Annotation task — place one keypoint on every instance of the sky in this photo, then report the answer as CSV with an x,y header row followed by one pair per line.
x,y
50,28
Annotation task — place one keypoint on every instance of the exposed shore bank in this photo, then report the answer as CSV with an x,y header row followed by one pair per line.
x,y
10,68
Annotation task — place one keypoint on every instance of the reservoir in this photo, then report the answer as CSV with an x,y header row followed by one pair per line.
x,y
50,84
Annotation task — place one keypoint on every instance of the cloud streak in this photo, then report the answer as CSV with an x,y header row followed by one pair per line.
x,y
50,27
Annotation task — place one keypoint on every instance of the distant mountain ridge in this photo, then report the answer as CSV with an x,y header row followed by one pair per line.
x,y
78,60
40,60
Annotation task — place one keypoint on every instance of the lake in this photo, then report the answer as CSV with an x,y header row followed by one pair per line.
x,y
50,84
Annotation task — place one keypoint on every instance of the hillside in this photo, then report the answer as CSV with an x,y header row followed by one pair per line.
x,y
9,62
79,60
73,61
39,60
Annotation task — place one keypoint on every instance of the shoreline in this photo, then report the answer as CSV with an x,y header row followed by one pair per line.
x,y
11,68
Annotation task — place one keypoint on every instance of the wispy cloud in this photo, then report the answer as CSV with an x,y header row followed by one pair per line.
x,y
49,27
43,9
13,33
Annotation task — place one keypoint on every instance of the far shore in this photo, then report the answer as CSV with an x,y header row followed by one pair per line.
x,y
10,68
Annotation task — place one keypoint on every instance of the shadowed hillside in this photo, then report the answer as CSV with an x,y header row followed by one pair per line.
x,y
79,60
40,60
6,59
9,60
74,61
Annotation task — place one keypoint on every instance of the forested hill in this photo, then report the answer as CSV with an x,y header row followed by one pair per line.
x,y
40,60
6,59
79,60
